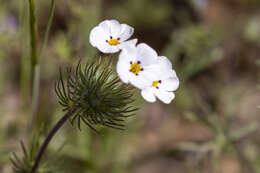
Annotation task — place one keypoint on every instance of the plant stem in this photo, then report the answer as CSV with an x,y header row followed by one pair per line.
x,y
51,134
50,18
25,61
35,67
33,33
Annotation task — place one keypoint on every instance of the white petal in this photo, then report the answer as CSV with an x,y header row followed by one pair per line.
x,y
112,27
164,62
97,36
146,54
166,74
159,73
165,96
126,32
139,81
106,48
115,27
164,68
128,52
105,26
172,74
131,43
151,72
122,71
148,95
170,84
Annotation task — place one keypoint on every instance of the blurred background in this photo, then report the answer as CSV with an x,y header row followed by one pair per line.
x,y
211,126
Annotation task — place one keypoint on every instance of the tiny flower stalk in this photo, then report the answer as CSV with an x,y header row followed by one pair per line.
x,y
35,54
33,33
35,67
93,95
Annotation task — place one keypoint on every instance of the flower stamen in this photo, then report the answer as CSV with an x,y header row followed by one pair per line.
x,y
156,83
112,41
135,67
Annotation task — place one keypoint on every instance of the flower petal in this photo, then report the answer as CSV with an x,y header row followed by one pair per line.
x,y
111,27
148,95
152,73
106,48
115,27
165,96
164,62
126,32
122,71
97,36
146,54
164,69
170,84
105,26
128,52
131,43
139,81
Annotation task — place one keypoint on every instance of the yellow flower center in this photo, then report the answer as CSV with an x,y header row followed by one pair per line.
x,y
156,83
135,67
113,42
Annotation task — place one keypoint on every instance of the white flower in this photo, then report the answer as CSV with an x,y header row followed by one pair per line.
x,y
137,64
110,36
162,83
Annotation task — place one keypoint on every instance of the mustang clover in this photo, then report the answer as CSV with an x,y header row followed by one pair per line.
x,y
136,64
139,64
93,95
110,36
162,82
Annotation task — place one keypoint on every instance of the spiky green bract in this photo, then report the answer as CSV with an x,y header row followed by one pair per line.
x,y
24,163
97,93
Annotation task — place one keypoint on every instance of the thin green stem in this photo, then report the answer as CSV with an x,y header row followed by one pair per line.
x,y
50,18
35,66
25,61
49,137
37,69
35,93
33,34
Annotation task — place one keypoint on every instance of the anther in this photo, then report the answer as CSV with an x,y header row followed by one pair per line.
x,y
131,62
111,37
142,69
118,38
160,81
138,62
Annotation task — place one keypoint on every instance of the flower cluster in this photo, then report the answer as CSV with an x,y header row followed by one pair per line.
x,y
139,64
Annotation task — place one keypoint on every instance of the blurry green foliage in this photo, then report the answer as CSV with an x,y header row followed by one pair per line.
x,y
87,15
62,46
194,48
252,30
142,13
